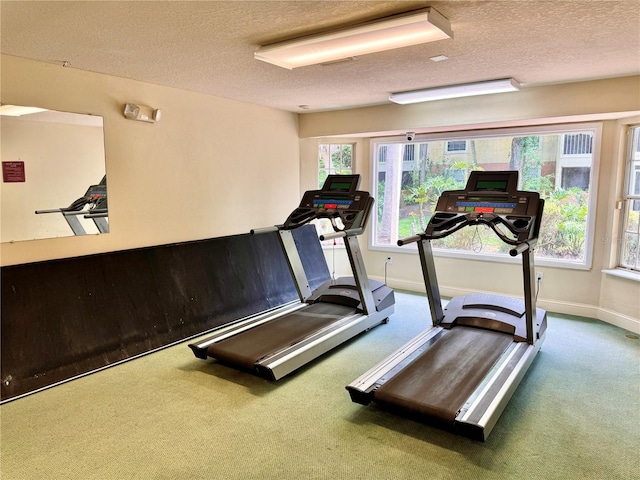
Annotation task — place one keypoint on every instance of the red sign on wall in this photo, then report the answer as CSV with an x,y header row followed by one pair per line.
x,y
13,172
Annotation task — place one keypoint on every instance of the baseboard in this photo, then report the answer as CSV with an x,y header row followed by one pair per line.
x,y
409,286
619,320
554,306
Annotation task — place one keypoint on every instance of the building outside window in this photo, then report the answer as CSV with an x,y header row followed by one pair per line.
x,y
558,162
574,162
629,255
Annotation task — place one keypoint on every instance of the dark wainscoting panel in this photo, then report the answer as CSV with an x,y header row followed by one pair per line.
x,y
63,318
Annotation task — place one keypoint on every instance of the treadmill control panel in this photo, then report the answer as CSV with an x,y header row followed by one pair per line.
x,y
340,198
491,198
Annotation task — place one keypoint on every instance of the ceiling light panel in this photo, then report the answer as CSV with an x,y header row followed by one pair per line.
x,y
18,110
502,85
426,25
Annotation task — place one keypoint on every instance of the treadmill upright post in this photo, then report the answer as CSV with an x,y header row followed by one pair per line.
x,y
101,222
360,275
74,222
529,276
295,264
430,280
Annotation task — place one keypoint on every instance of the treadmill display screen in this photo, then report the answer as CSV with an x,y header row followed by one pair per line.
x,y
336,203
339,187
495,185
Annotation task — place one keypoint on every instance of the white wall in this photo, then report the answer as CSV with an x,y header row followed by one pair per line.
x,y
615,102
211,167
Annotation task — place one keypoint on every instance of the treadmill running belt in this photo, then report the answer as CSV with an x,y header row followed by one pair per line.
x,y
246,348
437,384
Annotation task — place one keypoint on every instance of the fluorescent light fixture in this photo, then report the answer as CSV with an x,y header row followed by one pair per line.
x,y
403,30
18,110
454,91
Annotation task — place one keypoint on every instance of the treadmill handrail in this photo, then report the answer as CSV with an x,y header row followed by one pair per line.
x,y
51,210
523,247
408,240
342,233
97,215
360,221
258,231
303,215
331,236
307,215
338,198
457,221
63,210
461,221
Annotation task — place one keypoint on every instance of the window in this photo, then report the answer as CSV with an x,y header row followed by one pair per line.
x,y
629,256
456,146
333,159
578,144
575,177
408,186
574,162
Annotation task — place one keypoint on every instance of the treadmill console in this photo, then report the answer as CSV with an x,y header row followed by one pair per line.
x,y
96,196
491,198
338,198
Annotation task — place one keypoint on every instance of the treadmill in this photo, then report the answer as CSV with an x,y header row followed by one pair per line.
x,y
96,199
461,372
276,343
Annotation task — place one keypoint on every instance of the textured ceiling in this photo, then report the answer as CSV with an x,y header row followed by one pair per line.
x,y
207,46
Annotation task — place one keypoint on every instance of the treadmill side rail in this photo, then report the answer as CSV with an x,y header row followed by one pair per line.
x,y
199,348
478,419
291,358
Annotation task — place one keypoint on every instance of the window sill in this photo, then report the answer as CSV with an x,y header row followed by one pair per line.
x,y
540,262
619,272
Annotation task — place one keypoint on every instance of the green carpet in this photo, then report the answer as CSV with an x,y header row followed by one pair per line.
x,y
168,415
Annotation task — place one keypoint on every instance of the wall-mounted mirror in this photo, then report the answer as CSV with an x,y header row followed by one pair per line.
x,y
53,174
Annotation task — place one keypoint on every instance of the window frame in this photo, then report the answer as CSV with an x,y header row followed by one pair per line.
x,y
330,144
551,129
631,155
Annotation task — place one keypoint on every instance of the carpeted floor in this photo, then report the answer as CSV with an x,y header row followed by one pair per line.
x,y
169,415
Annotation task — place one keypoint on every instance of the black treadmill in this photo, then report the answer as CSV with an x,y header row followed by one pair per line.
x,y
276,343
96,199
461,372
